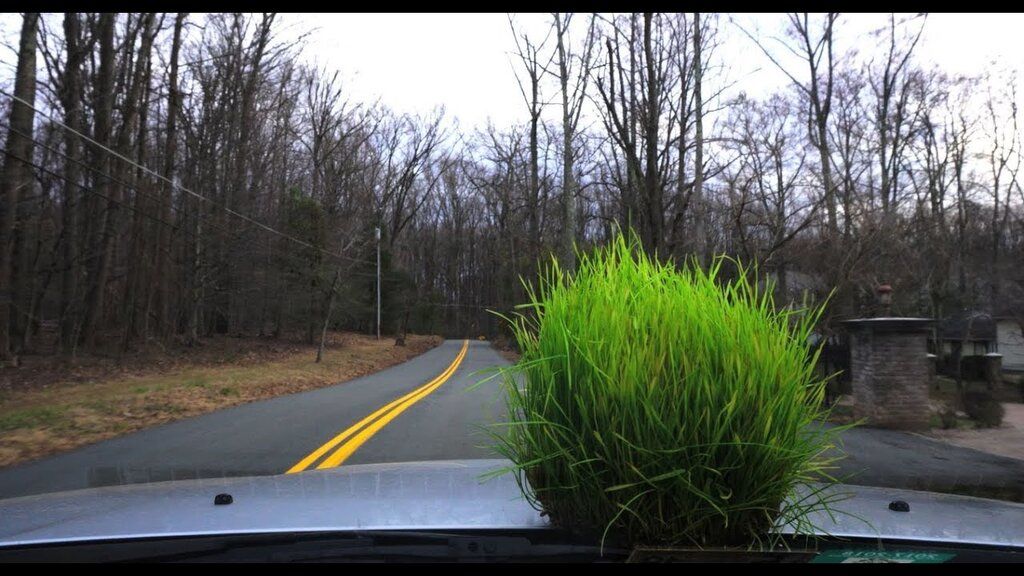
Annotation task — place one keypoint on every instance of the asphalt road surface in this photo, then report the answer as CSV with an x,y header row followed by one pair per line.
x,y
428,408
273,436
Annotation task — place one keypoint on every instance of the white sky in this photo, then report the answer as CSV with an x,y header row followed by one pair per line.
x,y
415,62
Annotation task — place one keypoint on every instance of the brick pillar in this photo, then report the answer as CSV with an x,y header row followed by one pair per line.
x,y
889,371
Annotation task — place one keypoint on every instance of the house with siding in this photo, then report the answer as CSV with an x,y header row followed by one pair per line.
x,y
1010,342
974,333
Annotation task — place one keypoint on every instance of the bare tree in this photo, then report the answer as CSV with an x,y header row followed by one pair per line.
x,y
573,99
640,119
163,245
771,171
72,93
17,176
228,203
893,87
698,158
534,64
1004,162
815,50
102,245
849,140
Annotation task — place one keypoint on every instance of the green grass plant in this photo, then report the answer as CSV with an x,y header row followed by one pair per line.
x,y
662,406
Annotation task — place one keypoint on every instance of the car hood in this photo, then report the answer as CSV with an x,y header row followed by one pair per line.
x,y
430,496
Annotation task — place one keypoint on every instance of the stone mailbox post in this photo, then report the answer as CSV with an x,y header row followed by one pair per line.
x,y
889,370
993,369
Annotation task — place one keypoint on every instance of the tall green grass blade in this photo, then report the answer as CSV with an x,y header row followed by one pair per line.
x,y
665,405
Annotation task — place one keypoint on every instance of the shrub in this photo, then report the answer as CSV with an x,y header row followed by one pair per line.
x,y
662,406
985,410
947,418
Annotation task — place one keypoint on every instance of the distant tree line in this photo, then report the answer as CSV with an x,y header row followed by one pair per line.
x,y
173,176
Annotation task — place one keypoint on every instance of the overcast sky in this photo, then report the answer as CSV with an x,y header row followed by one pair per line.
x,y
415,62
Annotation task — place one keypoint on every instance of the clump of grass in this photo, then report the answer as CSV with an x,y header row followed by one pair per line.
x,y
663,406
199,381
29,417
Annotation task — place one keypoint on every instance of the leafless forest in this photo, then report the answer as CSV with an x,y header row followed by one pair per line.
x,y
170,176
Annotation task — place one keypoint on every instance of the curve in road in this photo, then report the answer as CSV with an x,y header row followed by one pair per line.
x,y
272,436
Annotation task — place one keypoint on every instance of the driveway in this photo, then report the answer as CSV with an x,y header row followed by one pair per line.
x,y
893,459
1007,440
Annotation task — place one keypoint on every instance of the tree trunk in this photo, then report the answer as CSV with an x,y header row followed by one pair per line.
x,y
71,97
698,166
163,248
568,233
534,208
17,173
102,134
195,296
652,186
327,316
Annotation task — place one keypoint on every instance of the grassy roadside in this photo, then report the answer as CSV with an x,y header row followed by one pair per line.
x,y
39,421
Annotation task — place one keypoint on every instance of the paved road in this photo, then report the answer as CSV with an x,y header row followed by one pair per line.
x,y
892,459
270,437
273,436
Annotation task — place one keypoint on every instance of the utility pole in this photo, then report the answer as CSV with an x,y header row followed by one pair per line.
x,y
377,232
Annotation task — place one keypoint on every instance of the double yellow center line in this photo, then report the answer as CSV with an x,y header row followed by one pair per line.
x,y
355,436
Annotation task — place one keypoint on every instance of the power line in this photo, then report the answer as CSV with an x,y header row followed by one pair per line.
x,y
173,227
85,165
232,234
86,188
180,187
183,189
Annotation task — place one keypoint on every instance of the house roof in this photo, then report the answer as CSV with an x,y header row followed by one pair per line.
x,y
798,281
968,325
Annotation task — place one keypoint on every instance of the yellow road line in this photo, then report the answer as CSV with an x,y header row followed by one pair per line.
x,y
346,449
411,398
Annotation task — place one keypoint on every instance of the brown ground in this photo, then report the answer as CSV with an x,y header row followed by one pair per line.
x,y
506,348
48,405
